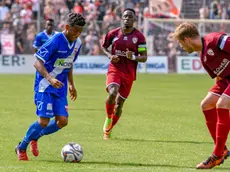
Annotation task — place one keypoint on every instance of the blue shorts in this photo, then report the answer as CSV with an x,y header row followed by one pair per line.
x,y
49,105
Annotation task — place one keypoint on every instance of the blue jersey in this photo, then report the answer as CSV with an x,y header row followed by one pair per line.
x,y
41,38
58,56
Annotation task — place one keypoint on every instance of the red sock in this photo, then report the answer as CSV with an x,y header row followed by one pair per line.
x,y
211,120
109,109
222,129
115,119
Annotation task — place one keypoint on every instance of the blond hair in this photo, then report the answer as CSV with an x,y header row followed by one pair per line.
x,y
184,30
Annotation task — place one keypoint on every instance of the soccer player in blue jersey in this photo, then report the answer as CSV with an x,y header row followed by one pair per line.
x,y
54,76
46,34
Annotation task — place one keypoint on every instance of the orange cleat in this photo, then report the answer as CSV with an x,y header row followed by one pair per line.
x,y
107,128
34,147
226,153
211,162
22,155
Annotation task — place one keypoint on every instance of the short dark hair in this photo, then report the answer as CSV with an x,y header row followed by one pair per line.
x,y
75,19
49,19
130,9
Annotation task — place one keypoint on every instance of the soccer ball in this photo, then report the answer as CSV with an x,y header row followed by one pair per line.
x,y
72,152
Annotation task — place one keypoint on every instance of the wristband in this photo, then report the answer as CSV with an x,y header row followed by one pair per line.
x,y
134,57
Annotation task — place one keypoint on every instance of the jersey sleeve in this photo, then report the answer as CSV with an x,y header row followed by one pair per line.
x,y
37,42
47,49
224,43
210,72
142,47
107,41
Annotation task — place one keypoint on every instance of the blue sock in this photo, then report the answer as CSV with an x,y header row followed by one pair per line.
x,y
32,133
51,128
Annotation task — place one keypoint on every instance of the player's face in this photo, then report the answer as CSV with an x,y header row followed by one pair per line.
x,y
74,32
128,18
49,26
187,45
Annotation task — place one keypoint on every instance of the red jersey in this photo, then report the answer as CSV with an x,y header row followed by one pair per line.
x,y
120,43
215,55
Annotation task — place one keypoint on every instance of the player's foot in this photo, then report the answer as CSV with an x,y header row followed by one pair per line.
x,y
211,162
22,155
34,147
226,153
107,128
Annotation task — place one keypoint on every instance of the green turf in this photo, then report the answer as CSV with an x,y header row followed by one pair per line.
x,y
162,127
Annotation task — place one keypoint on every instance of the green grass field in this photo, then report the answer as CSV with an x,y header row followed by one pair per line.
x,y
162,127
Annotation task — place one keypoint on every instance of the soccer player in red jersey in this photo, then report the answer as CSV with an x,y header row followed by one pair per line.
x,y
215,58
128,48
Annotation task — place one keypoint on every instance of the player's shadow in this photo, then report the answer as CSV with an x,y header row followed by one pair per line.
x,y
163,141
85,109
126,164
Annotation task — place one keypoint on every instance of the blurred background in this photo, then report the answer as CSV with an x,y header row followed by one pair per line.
x,y
21,20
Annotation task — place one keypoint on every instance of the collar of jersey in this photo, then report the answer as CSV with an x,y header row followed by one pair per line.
x,y
69,45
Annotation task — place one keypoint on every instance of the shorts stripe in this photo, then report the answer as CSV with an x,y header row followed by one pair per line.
x,y
123,97
226,95
112,84
214,94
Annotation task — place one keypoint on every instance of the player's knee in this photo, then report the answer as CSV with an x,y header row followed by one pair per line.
x,y
223,104
113,93
62,122
44,122
207,105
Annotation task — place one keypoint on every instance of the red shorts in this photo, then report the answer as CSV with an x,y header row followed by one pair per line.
x,y
124,81
220,87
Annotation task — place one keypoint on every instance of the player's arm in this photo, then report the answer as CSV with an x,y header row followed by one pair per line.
x,y
37,43
141,50
72,89
106,52
43,55
142,57
39,65
70,77
104,47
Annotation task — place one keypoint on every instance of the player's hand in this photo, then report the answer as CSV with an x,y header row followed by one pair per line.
x,y
55,82
129,54
114,58
73,92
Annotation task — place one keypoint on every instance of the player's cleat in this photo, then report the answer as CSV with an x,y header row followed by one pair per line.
x,y
211,162
107,128
226,153
22,155
34,147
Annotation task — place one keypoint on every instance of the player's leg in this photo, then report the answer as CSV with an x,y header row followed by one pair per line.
x,y
125,88
59,107
60,110
43,101
222,130
113,90
208,106
112,87
118,110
